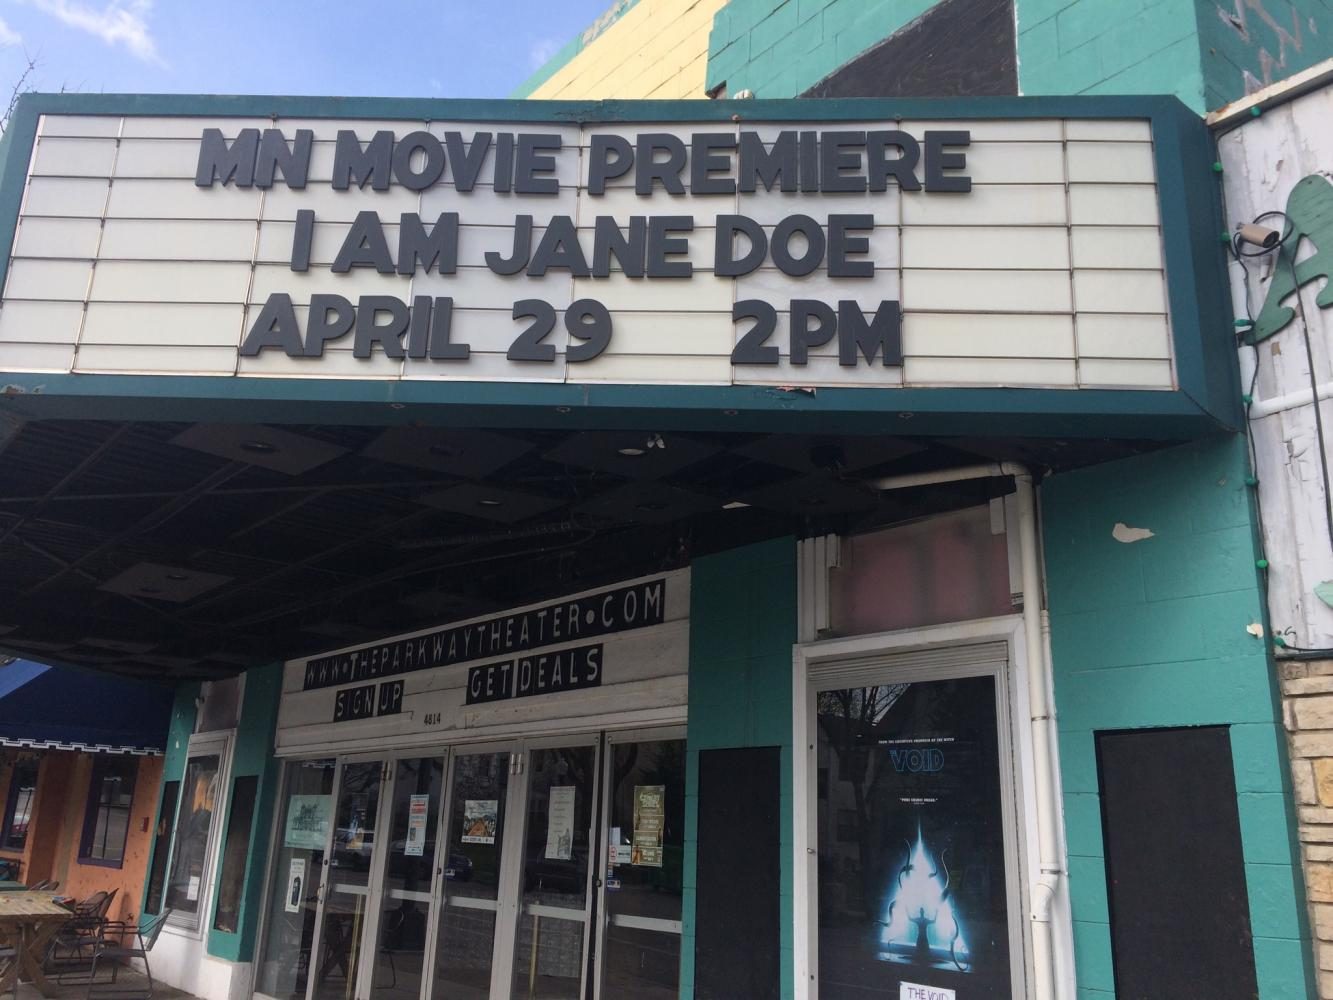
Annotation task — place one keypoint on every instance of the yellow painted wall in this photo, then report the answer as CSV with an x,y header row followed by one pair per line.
x,y
657,49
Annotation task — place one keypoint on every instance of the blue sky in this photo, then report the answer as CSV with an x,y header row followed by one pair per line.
x,y
400,48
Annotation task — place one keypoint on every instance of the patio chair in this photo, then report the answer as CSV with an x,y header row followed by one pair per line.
x,y
71,949
119,943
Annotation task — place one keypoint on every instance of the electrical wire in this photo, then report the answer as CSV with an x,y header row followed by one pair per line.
x,y
1239,250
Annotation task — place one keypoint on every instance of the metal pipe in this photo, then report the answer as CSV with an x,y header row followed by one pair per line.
x,y
1050,869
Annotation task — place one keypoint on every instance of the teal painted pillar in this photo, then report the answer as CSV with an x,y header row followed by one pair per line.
x,y
1153,633
252,756
179,729
742,627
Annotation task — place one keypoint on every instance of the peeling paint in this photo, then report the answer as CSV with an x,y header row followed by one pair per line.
x,y
1124,533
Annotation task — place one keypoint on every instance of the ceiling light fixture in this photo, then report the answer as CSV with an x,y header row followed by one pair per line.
x,y
178,576
490,502
258,447
630,452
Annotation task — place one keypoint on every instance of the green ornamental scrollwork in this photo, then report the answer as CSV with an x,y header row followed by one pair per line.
x,y
1310,216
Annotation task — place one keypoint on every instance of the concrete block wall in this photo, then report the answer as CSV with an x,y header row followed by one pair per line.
x,y
1156,632
781,48
1110,47
1248,44
650,49
1307,690
742,627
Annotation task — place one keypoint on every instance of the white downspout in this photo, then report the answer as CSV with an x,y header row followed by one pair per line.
x,y
1050,870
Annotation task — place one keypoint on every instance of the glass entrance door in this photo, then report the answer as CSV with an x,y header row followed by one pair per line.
x,y
639,951
474,838
345,900
404,902
555,854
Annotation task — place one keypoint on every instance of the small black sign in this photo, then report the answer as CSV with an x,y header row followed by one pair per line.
x,y
366,701
536,673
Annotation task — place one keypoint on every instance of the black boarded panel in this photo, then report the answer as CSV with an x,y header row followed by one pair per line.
x,y
1180,914
736,924
960,48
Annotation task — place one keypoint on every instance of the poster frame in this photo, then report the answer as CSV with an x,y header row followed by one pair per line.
x,y
930,653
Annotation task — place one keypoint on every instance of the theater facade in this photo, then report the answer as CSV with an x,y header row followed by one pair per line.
x,y
656,549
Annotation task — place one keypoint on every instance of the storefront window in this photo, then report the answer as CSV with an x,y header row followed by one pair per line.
x,y
107,819
18,806
949,568
166,824
191,855
913,885
235,851
298,860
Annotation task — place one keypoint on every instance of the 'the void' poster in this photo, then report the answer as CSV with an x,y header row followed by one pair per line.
x,y
912,884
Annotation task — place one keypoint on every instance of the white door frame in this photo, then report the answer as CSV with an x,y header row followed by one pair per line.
x,y
1014,738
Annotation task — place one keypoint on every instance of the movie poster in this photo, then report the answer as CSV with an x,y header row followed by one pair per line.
x,y
480,818
912,884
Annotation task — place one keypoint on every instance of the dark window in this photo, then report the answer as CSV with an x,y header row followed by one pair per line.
x,y
18,806
1175,865
234,849
162,846
107,820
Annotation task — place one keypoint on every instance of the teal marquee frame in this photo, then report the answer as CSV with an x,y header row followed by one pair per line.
x,y
1206,400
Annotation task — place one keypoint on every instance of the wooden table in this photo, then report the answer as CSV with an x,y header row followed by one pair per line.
x,y
28,921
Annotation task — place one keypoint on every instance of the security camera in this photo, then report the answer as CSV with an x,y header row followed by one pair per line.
x,y
1258,236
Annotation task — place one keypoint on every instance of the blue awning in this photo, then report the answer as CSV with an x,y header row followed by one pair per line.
x,y
54,708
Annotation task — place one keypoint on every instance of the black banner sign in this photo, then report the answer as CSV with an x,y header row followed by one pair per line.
x,y
620,610
537,673
367,701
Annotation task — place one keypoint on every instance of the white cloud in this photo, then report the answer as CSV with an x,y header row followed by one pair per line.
x,y
8,36
120,22
542,50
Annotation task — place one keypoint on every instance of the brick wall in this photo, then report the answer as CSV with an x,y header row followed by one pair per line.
x,y
1307,711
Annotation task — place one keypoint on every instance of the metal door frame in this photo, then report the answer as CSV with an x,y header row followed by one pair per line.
x,y
613,739
829,663
380,862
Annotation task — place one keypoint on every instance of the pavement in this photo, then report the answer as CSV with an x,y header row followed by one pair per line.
x,y
129,985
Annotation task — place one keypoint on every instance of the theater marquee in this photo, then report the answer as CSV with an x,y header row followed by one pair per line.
x,y
975,252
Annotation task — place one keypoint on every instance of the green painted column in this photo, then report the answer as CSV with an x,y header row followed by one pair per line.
x,y
252,755
1153,633
742,627
179,728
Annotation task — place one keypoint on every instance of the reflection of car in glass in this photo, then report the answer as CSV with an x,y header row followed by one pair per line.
x,y
352,846
459,868
554,875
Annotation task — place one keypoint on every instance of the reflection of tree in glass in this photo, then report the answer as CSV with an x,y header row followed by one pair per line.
x,y
848,719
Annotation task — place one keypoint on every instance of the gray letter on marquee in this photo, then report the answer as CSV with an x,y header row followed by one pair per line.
x,y
275,327
275,155
351,163
218,161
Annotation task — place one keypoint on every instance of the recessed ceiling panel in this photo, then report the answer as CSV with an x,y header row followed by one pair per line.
x,y
175,584
467,454
490,503
256,444
632,454
811,453
813,495
648,503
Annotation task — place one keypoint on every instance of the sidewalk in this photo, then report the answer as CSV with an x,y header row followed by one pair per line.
x,y
132,984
